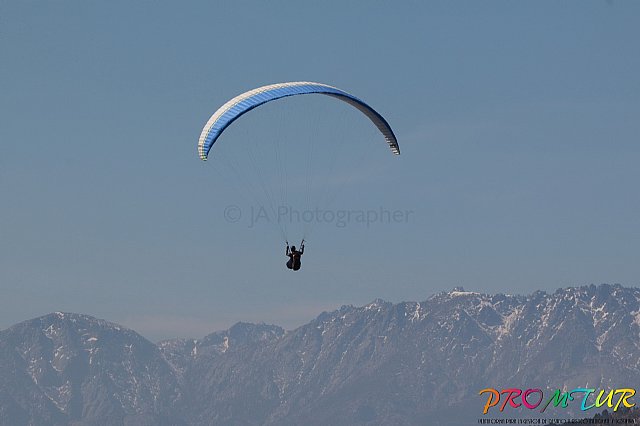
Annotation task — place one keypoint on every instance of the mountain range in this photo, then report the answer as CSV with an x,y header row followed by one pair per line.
x,y
380,364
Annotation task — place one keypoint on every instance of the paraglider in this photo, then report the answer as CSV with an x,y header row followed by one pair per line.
x,y
294,256
241,104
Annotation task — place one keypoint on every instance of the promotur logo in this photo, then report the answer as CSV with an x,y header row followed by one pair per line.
x,y
534,399
340,218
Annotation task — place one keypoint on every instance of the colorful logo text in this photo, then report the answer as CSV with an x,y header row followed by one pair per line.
x,y
533,399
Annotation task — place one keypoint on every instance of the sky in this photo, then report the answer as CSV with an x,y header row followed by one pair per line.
x,y
518,124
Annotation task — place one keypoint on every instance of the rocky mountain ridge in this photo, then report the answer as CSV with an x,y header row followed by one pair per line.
x,y
382,363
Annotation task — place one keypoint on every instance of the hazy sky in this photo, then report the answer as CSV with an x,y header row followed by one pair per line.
x,y
518,124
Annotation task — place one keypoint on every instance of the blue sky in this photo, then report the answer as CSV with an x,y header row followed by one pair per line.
x,y
518,124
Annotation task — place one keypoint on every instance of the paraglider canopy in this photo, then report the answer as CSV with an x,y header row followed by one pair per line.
x,y
236,107
272,184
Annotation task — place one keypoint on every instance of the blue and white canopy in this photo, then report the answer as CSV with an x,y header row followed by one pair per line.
x,y
245,102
